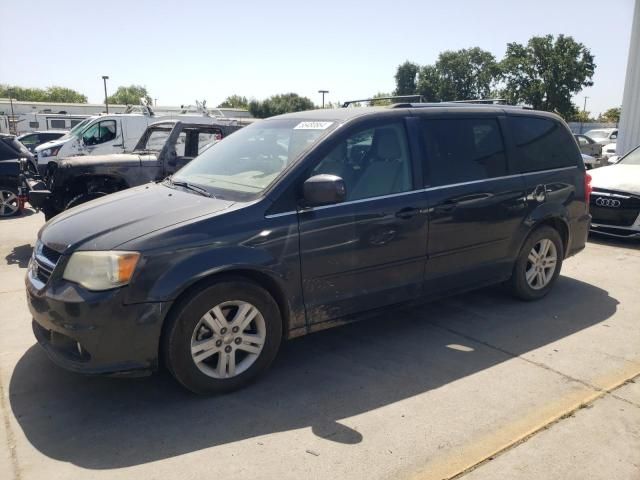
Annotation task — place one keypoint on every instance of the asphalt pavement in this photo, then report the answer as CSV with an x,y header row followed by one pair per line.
x,y
479,385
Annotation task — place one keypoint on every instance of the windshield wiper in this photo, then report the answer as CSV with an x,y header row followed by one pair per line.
x,y
189,186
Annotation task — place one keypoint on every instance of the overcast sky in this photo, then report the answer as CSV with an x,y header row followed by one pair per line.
x,y
198,49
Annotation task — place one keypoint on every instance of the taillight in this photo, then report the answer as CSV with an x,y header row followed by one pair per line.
x,y
587,188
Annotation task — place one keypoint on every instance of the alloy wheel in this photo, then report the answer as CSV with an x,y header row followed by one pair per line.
x,y
541,264
228,339
9,203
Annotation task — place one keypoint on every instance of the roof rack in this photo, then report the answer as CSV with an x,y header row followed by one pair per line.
x,y
458,104
420,99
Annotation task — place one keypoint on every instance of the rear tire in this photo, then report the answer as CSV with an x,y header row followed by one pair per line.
x,y
222,336
538,264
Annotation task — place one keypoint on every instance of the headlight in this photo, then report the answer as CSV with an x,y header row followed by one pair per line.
x,y
101,270
50,152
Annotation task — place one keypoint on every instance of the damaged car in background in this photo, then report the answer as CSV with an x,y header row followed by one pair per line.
x,y
615,201
163,149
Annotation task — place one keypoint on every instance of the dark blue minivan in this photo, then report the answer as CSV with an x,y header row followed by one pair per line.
x,y
304,221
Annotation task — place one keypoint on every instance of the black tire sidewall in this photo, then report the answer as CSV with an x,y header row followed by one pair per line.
x,y
185,316
519,284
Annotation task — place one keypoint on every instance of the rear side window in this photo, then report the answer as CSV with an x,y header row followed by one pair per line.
x,y
463,150
542,144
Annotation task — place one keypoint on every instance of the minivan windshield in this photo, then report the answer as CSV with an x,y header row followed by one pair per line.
x,y
632,158
246,162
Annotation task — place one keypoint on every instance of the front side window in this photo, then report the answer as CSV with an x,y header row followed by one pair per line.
x,y
372,162
100,132
542,144
463,150
242,165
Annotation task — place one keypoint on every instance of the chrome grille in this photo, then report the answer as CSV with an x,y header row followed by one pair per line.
x,y
43,263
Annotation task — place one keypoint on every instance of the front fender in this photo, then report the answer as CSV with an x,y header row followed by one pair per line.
x,y
273,263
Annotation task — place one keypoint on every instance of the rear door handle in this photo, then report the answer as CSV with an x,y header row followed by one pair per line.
x,y
407,212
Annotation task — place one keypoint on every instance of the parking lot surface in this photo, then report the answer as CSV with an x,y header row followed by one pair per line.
x,y
534,390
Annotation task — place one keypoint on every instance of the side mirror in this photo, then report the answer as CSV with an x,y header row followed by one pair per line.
x,y
324,190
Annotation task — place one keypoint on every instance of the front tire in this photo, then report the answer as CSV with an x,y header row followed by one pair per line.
x,y
538,264
222,336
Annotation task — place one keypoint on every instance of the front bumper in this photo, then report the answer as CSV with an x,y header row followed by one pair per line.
x,y
94,332
615,231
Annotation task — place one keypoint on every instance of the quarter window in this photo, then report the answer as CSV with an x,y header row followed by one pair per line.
x,y
372,162
542,144
463,150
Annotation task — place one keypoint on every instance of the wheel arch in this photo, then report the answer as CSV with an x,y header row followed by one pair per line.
x,y
260,278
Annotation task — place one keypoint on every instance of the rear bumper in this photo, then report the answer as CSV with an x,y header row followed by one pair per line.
x,y
579,233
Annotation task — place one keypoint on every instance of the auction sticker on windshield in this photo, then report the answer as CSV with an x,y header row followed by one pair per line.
x,y
313,125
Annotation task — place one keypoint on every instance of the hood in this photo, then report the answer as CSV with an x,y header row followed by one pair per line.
x,y
619,177
52,143
108,222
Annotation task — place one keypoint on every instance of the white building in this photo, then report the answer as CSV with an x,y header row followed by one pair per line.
x,y
629,136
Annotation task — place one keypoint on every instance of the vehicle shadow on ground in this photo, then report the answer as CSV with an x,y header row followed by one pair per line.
x,y
631,243
27,212
105,423
20,255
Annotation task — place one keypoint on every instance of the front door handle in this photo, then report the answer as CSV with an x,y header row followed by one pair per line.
x,y
446,207
407,212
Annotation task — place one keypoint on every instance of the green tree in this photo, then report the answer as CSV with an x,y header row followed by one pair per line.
x,y
380,103
49,94
466,74
406,77
234,101
131,95
612,115
429,83
580,116
546,72
279,104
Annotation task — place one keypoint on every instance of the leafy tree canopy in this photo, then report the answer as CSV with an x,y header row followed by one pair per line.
x,y
546,72
612,115
49,94
279,104
131,95
234,101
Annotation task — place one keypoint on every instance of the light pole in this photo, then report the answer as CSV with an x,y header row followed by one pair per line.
x,y
106,102
13,118
323,92
584,111
155,102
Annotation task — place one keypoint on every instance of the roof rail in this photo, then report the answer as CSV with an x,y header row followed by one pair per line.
x,y
487,101
457,105
420,99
